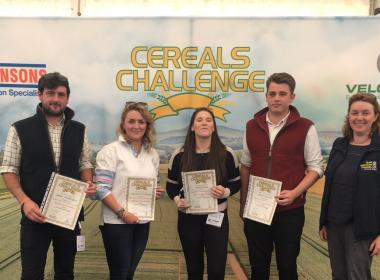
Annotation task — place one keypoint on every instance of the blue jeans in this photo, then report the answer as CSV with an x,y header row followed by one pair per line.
x,y
35,240
124,245
285,234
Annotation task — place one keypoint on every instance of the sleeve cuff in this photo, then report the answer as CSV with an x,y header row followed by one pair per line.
x,y
227,192
9,169
103,195
176,198
316,169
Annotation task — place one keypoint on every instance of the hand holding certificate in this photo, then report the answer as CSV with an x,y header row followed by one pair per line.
x,y
141,197
261,204
63,200
197,185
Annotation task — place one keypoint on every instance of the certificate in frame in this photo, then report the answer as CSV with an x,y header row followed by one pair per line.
x,y
63,200
197,185
261,204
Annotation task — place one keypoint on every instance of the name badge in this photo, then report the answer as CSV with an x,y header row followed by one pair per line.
x,y
215,219
81,243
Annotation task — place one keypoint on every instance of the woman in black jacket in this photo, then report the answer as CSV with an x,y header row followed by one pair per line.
x,y
350,213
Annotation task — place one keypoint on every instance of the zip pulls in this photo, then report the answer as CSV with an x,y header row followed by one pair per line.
x,y
53,131
269,170
61,147
284,124
51,148
271,144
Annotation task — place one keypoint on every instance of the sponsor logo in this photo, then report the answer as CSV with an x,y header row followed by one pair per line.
x,y
369,166
363,87
20,79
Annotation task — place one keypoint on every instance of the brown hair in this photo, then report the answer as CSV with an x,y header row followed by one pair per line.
x,y
52,81
217,155
282,78
365,97
149,138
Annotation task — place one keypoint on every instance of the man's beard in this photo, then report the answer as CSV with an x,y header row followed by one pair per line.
x,y
51,113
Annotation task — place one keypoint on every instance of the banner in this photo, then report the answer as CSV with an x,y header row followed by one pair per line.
x,y
178,64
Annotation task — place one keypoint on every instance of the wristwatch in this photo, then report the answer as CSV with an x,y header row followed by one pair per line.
x,y
120,213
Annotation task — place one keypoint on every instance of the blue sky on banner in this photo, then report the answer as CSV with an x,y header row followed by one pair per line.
x,y
329,57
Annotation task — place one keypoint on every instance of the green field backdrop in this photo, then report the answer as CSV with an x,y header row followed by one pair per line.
x,y
2,185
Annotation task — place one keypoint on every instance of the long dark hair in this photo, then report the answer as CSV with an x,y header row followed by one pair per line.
x,y
217,155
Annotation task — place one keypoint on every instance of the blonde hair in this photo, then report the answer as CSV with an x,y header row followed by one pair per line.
x,y
149,138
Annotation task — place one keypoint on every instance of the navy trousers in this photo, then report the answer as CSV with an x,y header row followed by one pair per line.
x,y
35,240
285,234
124,245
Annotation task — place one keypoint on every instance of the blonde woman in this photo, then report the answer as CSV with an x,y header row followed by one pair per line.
x,y
124,235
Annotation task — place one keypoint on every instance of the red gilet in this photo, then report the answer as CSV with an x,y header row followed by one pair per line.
x,y
284,161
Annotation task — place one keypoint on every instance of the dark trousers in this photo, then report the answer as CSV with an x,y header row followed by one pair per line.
x,y
35,240
196,236
285,234
350,259
124,245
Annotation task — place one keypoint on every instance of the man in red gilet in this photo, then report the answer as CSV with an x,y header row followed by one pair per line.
x,y
281,145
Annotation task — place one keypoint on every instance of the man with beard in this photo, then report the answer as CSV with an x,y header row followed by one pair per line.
x,y
50,141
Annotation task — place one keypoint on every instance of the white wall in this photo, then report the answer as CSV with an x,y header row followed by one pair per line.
x,y
204,8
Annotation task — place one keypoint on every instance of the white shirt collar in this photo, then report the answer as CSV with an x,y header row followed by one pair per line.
x,y
135,153
282,122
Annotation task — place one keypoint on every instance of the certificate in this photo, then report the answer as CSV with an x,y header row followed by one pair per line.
x,y
63,200
141,197
261,204
197,186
